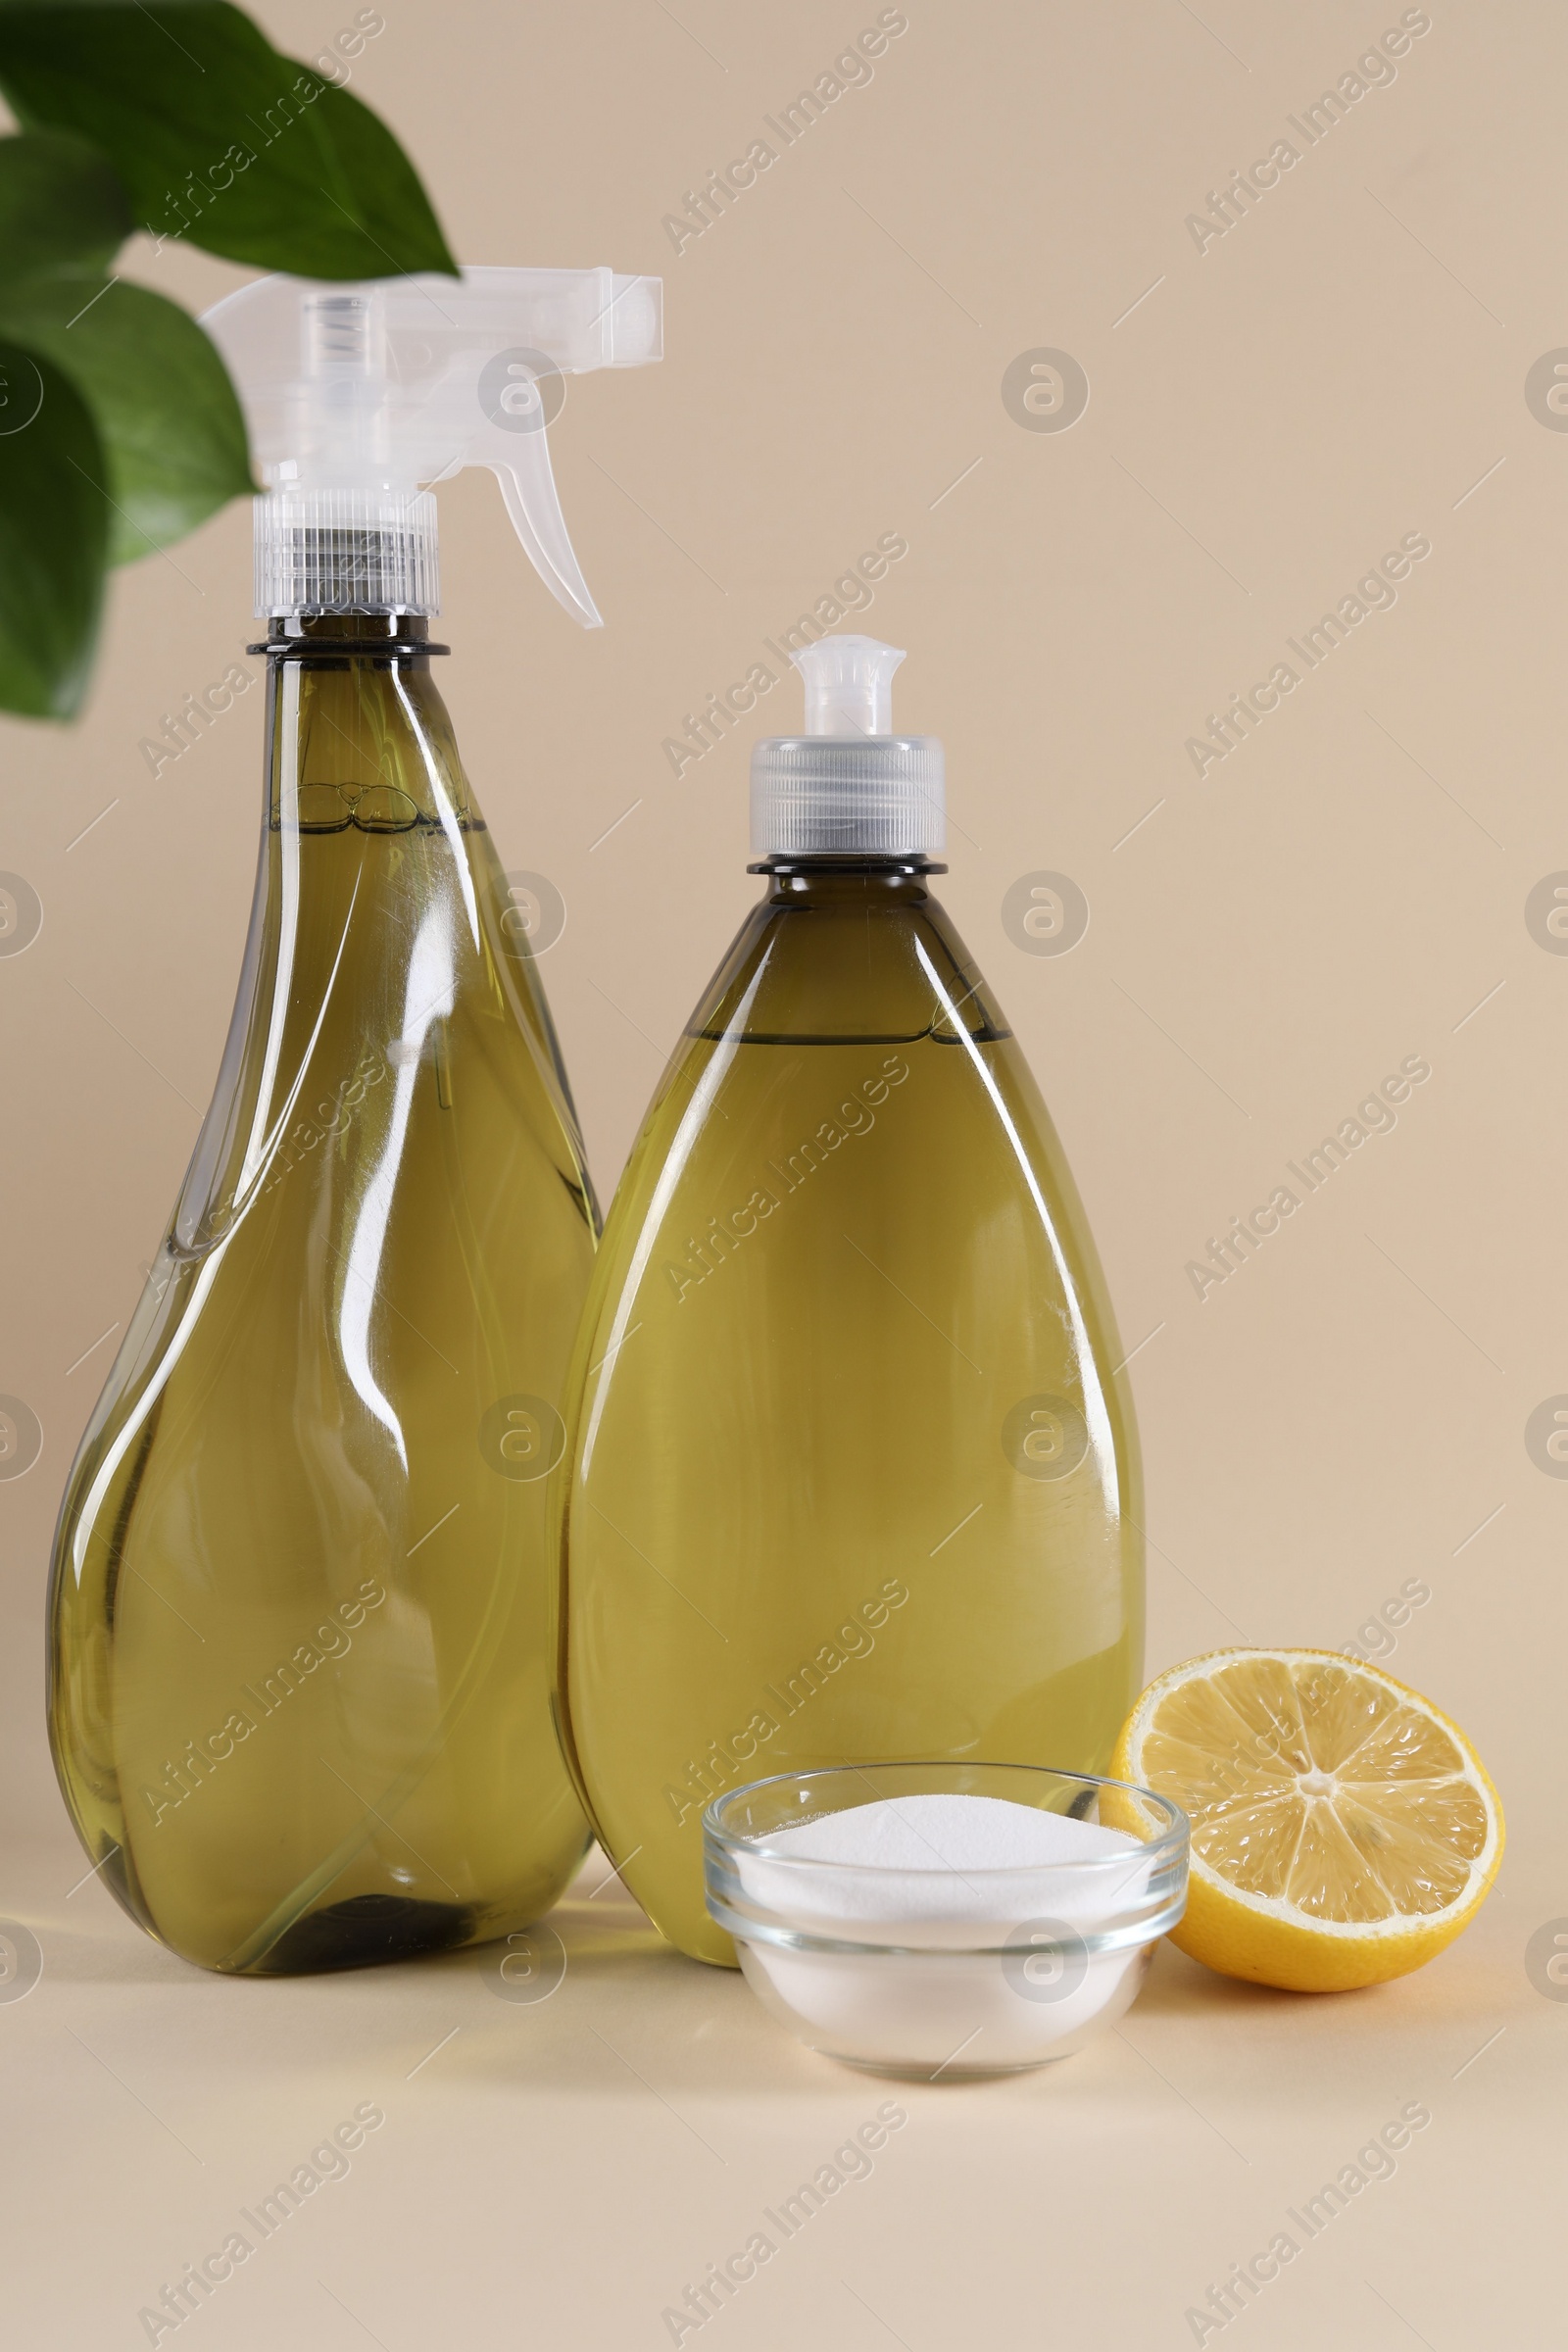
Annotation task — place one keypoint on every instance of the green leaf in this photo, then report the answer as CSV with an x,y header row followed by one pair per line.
x,y
53,537
172,434
61,206
221,139
166,413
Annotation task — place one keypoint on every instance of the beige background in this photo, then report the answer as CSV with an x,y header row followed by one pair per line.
x,y
1347,889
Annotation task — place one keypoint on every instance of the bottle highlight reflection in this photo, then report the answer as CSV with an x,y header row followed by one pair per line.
x,y
299,1686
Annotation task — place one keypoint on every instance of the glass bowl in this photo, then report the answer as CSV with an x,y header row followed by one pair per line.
x,y
946,1972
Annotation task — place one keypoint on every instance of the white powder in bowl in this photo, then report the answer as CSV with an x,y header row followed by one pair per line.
x,y
948,1833
995,1918
949,1870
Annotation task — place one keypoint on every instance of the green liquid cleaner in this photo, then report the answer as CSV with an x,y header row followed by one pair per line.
x,y
300,1623
852,1475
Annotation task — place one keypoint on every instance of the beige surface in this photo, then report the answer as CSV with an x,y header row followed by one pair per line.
x,y
1341,892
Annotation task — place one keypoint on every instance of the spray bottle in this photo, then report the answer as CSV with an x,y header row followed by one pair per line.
x,y
299,1670
853,1475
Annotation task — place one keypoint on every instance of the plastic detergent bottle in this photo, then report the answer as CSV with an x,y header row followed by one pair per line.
x,y
299,1678
851,1475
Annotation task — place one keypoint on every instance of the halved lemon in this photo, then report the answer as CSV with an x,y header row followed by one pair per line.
x,y
1344,1830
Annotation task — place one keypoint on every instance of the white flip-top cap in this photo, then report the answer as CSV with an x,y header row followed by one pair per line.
x,y
357,397
849,784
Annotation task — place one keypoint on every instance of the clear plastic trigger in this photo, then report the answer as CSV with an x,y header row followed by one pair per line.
x,y
528,487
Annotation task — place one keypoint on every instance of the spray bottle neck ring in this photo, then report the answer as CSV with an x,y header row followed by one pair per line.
x,y
330,637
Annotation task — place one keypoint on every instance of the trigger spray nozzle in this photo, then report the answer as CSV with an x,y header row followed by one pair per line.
x,y
360,397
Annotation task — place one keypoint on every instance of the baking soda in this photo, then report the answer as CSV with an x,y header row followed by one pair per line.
x,y
946,1933
950,1833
